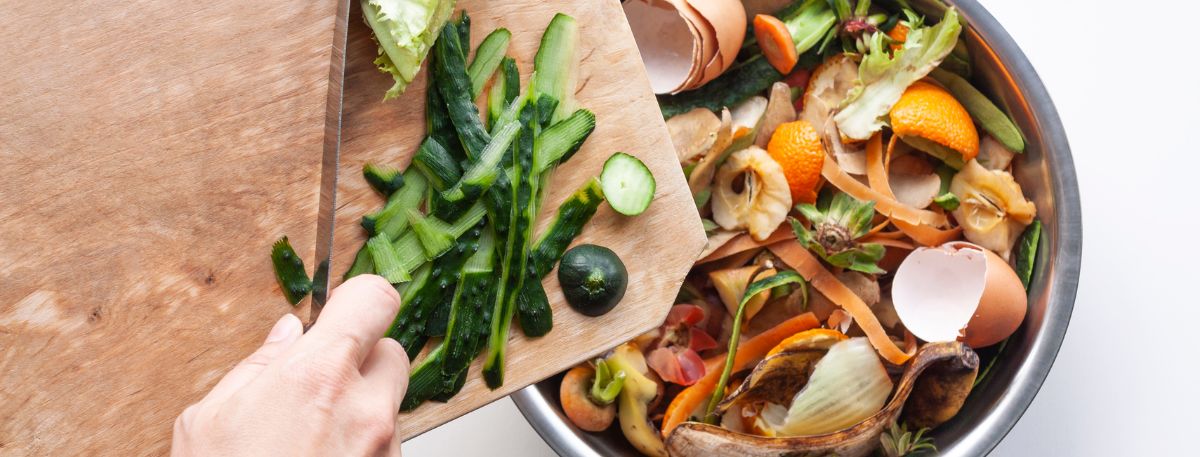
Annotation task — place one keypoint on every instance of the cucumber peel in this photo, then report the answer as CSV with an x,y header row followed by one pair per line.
x,y
289,271
387,260
483,173
436,163
390,219
487,59
554,64
383,179
561,140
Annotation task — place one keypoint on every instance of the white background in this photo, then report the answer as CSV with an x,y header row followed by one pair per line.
x,y
1126,79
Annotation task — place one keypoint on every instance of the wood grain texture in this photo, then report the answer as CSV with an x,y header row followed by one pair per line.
x,y
152,152
658,247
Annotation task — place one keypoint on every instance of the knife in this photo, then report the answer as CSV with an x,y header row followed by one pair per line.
x,y
329,160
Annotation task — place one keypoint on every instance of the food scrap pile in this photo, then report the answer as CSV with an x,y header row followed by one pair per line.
x,y
866,234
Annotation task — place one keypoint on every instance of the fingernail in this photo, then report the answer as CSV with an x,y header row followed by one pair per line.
x,y
282,329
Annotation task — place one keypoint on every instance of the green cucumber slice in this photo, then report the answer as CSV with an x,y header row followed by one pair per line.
x,y
627,183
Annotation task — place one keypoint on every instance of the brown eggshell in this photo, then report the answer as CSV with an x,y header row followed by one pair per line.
x,y
728,18
669,44
705,41
1002,307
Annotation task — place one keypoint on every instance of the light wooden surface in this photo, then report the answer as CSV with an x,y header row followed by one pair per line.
x,y
658,247
152,151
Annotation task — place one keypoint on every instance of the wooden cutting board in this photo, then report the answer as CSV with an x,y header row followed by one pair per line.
x,y
658,247
152,151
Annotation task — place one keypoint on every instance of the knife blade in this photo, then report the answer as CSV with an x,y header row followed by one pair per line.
x,y
329,160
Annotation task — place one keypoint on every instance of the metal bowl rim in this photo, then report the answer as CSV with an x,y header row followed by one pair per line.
x,y
993,427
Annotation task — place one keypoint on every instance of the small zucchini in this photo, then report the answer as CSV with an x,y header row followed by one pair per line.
x,y
593,279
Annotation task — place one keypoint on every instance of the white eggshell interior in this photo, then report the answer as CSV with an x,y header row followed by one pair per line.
x,y
665,41
936,290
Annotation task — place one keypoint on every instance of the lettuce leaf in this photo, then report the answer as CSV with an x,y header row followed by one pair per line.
x,y
883,74
405,31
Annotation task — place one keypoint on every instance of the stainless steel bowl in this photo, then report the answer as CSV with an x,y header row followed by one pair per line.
x,y
1046,174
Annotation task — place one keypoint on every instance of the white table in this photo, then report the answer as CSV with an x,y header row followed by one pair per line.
x,y
1128,89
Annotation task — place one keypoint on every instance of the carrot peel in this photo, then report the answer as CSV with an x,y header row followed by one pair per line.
x,y
877,178
825,282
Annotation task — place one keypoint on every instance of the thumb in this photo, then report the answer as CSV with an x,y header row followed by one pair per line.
x,y
285,332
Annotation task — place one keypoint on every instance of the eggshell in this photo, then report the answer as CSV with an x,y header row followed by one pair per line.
x,y
706,37
728,18
712,70
1002,307
669,44
937,290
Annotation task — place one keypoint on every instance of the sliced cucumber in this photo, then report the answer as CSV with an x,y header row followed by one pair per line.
x,y
628,184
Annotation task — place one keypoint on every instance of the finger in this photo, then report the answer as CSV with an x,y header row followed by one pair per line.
x,y
393,449
286,331
385,372
359,312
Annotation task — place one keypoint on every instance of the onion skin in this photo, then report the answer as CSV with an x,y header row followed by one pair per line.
x,y
697,439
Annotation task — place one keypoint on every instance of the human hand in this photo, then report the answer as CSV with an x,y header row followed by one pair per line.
x,y
333,391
